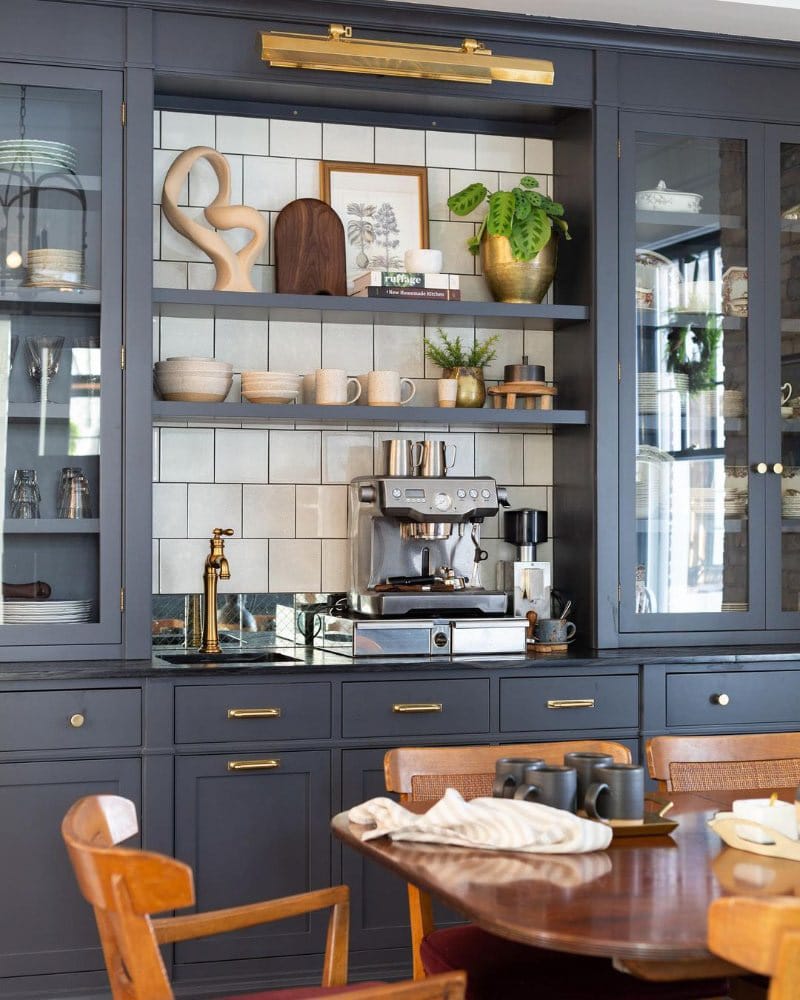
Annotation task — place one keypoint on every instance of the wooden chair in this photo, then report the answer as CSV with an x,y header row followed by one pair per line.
x,y
125,886
762,935
498,969
721,763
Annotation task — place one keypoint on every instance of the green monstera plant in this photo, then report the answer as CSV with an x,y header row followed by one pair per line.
x,y
524,215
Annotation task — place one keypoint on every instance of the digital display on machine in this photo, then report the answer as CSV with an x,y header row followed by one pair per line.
x,y
416,494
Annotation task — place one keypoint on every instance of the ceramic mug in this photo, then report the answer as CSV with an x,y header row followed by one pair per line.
x,y
584,762
551,784
786,393
554,630
310,388
385,389
331,386
509,773
617,794
447,389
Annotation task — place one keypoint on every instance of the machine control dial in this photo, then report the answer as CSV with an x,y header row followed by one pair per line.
x,y
441,639
473,494
461,494
442,501
485,494
396,493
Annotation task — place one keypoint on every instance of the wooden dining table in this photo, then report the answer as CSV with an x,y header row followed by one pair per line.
x,y
642,902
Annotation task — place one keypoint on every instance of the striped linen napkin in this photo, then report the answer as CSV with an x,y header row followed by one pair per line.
x,y
493,824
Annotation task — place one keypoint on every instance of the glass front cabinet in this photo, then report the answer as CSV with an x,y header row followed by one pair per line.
x,y
700,456
60,350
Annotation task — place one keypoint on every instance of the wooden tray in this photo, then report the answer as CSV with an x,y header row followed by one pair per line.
x,y
724,825
653,826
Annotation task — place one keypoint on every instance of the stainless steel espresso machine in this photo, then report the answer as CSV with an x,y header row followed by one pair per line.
x,y
415,582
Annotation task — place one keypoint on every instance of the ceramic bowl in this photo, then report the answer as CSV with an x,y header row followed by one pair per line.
x,y
194,388
663,199
270,395
204,364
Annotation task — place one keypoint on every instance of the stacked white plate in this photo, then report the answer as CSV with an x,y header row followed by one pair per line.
x,y
735,502
271,387
734,606
703,499
733,403
20,154
20,612
55,268
193,380
656,389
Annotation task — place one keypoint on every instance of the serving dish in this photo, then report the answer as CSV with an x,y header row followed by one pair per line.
x,y
734,291
664,199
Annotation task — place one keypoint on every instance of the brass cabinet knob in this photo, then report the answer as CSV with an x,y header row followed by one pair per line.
x,y
77,720
777,468
720,699
760,468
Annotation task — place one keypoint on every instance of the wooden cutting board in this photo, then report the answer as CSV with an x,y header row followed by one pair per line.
x,y
309,249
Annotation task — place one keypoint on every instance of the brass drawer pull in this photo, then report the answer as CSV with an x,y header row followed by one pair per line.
x,y
254,713
253,765
416,708
77,720
570,703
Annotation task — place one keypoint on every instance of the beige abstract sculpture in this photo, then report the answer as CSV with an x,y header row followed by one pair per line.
x,y
233,268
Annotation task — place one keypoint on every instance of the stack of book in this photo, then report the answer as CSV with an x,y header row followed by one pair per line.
x,y
406,285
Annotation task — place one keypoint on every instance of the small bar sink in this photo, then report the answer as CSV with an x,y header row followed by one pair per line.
x,y
227,658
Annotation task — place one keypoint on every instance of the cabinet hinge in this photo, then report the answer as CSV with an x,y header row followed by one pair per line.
x,y
122,357
123,114
619,149
121,598
619,371
619,593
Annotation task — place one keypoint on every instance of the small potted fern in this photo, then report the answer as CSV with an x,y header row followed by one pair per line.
x,y
464,365
517,240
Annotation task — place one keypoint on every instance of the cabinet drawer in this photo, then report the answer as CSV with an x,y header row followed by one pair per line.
x,y
735,698
561,703
70,720
415,708
244,712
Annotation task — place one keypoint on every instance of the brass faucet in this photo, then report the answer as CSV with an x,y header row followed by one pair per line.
x,y
216,566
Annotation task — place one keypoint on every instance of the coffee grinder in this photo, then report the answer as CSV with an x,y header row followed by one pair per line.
x,y
527,580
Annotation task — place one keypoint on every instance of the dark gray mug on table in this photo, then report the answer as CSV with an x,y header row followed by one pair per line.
x,y
551,785
617,793
509,772
584,762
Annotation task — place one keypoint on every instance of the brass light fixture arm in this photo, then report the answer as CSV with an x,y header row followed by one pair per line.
x,y
338,51
216,567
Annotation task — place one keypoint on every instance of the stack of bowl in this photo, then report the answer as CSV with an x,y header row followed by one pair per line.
x,y
193,380
271,387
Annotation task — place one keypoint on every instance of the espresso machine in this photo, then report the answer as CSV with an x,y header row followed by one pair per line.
x,y
415,582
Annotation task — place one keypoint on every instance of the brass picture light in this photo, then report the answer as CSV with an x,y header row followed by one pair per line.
x,y
339,52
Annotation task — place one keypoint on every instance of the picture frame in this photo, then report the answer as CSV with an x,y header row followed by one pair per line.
x,y
383,208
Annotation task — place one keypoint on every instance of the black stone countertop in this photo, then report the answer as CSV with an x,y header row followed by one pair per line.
x,y
313,661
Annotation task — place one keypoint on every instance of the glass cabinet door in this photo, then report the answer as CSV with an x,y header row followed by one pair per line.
x,y
686,497
60,440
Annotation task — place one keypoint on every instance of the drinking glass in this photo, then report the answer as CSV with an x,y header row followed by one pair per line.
x,y
12,351
25,495
43,355
73,494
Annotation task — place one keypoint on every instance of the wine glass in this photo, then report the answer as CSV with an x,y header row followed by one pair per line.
x,y
43,355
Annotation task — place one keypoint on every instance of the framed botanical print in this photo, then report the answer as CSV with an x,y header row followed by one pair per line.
x,y
383,208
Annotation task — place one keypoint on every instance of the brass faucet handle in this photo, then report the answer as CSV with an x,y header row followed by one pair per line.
x,y
218,532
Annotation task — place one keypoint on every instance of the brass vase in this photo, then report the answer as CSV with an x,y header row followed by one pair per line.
x,y
512,280
471,389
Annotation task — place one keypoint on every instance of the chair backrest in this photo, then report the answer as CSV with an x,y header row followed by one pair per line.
x,y
722,763
124,886
761,935
423,773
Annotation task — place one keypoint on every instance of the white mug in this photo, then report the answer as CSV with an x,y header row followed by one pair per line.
x,y
332,385
385,389
448,390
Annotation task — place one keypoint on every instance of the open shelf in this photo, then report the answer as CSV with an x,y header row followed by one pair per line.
x,y
655,230
302,413
51,526
545,316
72,297
33,411
658,320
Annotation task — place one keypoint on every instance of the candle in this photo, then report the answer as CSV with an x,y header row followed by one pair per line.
x,y
776,815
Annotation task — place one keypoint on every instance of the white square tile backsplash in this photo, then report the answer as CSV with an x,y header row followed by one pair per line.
x,y
283,489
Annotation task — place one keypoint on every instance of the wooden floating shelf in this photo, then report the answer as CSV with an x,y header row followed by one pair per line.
x,y
302,413
545,316
51,526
